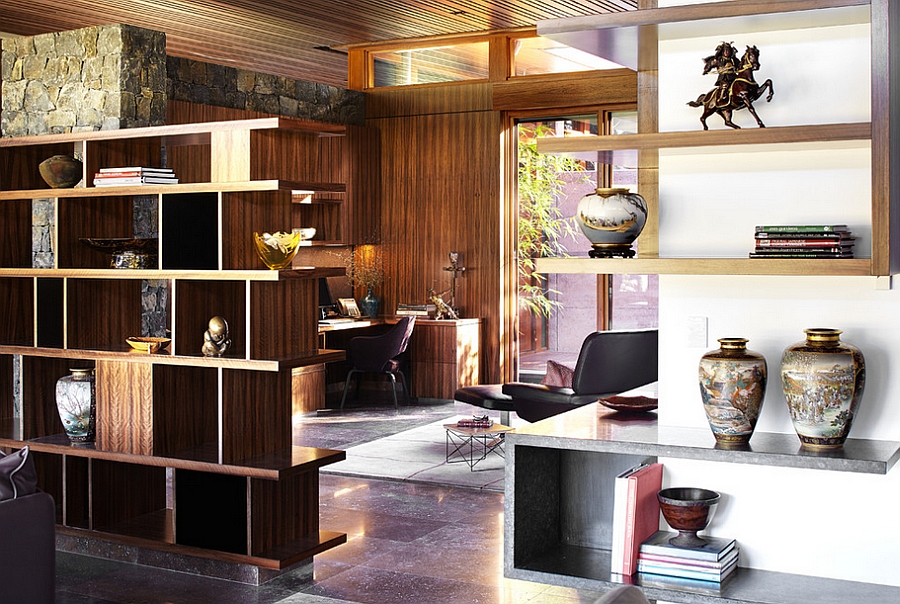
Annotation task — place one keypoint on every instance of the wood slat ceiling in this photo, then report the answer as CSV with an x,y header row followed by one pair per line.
x,y
290,38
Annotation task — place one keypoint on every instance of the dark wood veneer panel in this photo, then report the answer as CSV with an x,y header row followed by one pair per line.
x,y
284,318
245,213
16,243
77,499
106,217
256,413
185,411
283,511
101,314
121,492
196,302
17,320
20,166
124,153
190,231
39,376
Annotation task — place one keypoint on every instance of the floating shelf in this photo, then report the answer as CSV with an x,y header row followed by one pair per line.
x,y
304,272
847,267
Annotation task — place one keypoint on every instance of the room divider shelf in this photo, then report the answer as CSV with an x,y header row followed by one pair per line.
x,y
193,454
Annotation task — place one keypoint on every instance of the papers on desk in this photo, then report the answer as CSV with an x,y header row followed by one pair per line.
x,y
337,321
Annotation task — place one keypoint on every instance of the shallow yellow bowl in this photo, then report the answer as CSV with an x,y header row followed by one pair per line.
x,y
277,250
148,345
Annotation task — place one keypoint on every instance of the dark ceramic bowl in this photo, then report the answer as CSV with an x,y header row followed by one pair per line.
x,y
688,510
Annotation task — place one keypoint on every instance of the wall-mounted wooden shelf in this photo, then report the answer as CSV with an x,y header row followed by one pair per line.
x,y
850,267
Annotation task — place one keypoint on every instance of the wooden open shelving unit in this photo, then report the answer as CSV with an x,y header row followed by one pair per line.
x,y
617,35
193,454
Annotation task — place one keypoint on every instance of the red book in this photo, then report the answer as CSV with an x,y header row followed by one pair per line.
x,y
639,518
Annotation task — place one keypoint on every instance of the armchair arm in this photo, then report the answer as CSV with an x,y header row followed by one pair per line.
x,y
539,393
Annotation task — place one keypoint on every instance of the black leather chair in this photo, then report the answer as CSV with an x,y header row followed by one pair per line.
x,y
610,362
378,354
28,535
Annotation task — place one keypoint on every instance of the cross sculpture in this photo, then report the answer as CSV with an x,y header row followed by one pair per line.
x,y
456,269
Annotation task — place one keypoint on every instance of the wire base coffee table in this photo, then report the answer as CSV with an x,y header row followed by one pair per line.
x,y
472,445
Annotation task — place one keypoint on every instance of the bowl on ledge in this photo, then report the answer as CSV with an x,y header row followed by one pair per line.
x,y
126,252
149,345
688,510
277,250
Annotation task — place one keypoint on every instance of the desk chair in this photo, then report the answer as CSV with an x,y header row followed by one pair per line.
x,y
378,354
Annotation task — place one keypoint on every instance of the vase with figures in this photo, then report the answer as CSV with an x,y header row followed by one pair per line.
x,y
823,381
76,402
732,387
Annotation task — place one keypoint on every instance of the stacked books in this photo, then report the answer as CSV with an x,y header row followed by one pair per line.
x,y
803,241
136,176
712,562
635,514
476,421
416,310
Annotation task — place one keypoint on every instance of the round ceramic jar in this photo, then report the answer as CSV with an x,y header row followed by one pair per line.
x,y
732,386
611,219
823,381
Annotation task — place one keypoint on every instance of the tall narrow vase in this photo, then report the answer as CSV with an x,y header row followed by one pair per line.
x,y
76,401
733,386
823,381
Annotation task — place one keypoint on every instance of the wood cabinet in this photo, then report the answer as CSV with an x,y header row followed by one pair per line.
x,y
443,356
628,30
193,454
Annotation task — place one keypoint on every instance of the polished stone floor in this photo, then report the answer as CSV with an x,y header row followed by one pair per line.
x,y
407,543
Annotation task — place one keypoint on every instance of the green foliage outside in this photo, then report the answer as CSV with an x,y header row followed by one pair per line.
x,y
541,225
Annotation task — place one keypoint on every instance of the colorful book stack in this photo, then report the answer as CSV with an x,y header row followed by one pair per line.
x,y
635,514
712,562
803,241
135,176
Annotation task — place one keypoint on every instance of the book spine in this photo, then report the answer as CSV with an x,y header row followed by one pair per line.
x,y
803,255
800,243
406,312
683,572
806,228
689,563
629,563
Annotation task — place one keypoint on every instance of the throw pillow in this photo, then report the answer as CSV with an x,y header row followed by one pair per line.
x,y
558,375
17,475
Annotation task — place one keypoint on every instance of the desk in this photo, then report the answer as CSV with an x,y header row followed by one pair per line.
x,y
443,356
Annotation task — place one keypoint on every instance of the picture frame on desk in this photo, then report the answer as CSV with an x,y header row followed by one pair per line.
x,y
349,307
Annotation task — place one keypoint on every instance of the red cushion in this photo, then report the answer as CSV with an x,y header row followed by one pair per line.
x,y
558,375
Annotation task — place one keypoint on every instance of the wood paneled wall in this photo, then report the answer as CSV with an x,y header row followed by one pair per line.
x,y
441,194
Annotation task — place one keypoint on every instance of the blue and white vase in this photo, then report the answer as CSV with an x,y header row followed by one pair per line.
x,y
76,400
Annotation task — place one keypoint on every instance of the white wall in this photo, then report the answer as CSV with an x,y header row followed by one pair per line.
x,y
824,523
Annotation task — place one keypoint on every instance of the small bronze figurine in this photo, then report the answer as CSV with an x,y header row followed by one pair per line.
x,y
215,338
735,86
457,270
443,310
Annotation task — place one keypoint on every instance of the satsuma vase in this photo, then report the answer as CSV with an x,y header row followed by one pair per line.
x,y
611,219
823,381
732,387
76,401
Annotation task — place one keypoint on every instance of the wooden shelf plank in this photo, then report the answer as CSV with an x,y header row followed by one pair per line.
x,y
277,559
708,138
199,187
852,267
300,272
299,359
270,466
172,133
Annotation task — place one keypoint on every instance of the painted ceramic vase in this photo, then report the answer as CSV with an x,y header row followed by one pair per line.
x,y
732,386
76,401
823,381
611,219
61,171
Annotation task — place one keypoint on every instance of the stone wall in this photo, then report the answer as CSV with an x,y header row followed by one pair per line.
x,y
97,78
220,86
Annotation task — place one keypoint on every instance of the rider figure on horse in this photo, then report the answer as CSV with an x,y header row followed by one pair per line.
x,y
725,64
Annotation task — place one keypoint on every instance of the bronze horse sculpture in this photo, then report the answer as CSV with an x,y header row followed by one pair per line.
x,y
741,91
